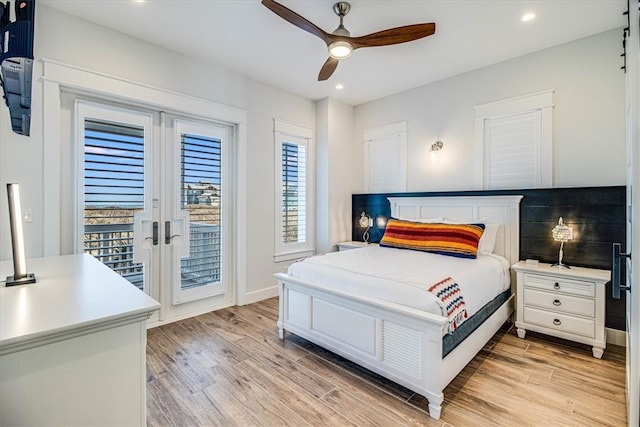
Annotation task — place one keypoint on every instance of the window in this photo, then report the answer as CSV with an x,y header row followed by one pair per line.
x,y
385,153
200,195
204,187
514,142
294,191
112,169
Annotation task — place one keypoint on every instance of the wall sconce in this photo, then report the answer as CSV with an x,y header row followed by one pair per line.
x,y
381,221
436,147
561,233
365,222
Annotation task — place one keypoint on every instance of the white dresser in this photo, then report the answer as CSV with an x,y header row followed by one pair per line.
x,y
73,345
567,303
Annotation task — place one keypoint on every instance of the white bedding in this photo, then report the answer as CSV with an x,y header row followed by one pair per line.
x,y
403,276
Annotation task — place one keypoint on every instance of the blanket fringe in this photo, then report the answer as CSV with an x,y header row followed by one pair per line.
x,y
452,302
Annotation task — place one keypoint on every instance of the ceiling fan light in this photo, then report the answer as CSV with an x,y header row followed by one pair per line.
x,y
340,49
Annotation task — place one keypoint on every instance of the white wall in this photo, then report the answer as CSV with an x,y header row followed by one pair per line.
x,y
336,153
77,42
589,129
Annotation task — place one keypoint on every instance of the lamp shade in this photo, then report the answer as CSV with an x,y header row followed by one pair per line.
x,y
364,220
562,232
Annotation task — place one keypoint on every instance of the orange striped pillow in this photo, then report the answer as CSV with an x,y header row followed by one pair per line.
x,y
458,240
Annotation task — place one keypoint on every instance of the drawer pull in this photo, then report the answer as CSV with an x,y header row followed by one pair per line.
x,y
556,285
557,302
557,322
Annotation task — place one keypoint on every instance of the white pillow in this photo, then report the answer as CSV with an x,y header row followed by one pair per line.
x,y
488,239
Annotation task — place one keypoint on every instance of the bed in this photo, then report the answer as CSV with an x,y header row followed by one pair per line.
x,y
406,343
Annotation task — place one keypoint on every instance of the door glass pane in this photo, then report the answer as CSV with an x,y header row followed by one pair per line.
x,y
201,197
113,192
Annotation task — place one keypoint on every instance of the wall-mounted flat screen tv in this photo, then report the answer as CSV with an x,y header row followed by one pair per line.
x,y
16,60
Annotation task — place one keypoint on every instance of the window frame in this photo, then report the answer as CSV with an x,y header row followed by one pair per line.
x,y
539,101
87,109
179,215
395,135
285,132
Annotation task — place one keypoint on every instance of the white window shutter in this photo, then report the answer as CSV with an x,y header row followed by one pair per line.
x,y
385,163
514,142
294,195
512,151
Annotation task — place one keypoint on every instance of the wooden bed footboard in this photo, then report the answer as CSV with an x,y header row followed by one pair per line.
x,y
397,342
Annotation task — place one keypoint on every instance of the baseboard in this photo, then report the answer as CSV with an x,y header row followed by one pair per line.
x,y
203,310
616,337
265,293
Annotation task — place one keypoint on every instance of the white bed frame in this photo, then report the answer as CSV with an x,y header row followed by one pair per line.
x,y
397,342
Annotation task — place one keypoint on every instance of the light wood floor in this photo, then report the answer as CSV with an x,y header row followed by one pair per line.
x,y
230,368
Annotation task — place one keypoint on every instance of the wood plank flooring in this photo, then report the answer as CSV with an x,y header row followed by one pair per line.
x,y
229,368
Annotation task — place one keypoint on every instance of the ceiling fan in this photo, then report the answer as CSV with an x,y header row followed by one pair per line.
x,y
340,43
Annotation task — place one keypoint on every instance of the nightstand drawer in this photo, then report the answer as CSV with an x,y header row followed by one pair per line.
x,y
556,284
560,303
560,322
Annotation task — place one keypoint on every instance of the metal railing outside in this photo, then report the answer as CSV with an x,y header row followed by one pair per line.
x,y
112,244
202,266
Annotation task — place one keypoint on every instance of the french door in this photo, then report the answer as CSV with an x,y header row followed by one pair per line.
x,y
155,199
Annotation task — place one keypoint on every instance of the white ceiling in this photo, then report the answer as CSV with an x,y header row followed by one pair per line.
x,y
245,36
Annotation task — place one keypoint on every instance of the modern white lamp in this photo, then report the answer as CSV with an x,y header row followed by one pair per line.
x,y
365,222
20,275
561,233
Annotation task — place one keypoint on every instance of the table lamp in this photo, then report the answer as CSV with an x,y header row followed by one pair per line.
x,y
561,233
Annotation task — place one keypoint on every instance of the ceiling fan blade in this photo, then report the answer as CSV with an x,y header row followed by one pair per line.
x,y
328,68
297,20
394,35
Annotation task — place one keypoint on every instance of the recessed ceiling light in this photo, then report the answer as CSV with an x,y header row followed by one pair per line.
x,y
339,86
528,16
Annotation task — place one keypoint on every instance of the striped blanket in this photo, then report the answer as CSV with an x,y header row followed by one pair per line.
x,y
452,302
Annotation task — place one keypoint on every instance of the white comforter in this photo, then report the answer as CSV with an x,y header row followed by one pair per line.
x,y
403,276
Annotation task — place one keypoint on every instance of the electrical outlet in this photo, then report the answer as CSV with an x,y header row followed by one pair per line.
x,y
27,215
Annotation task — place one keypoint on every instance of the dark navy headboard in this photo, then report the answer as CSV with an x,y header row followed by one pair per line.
x,y
596,214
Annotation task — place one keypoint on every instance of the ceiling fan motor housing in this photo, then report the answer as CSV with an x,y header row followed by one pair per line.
x,y
341,8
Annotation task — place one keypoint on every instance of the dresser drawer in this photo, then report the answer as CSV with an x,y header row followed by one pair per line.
x,y
568,286
560,322
560,303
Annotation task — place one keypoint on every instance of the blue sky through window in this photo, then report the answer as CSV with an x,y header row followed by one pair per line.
x,y
113,165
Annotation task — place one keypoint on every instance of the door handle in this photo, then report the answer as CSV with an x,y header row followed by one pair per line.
x,y
167,233
615,271
154,236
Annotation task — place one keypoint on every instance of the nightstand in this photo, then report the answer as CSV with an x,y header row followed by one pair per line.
x,y
343,246
566,303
